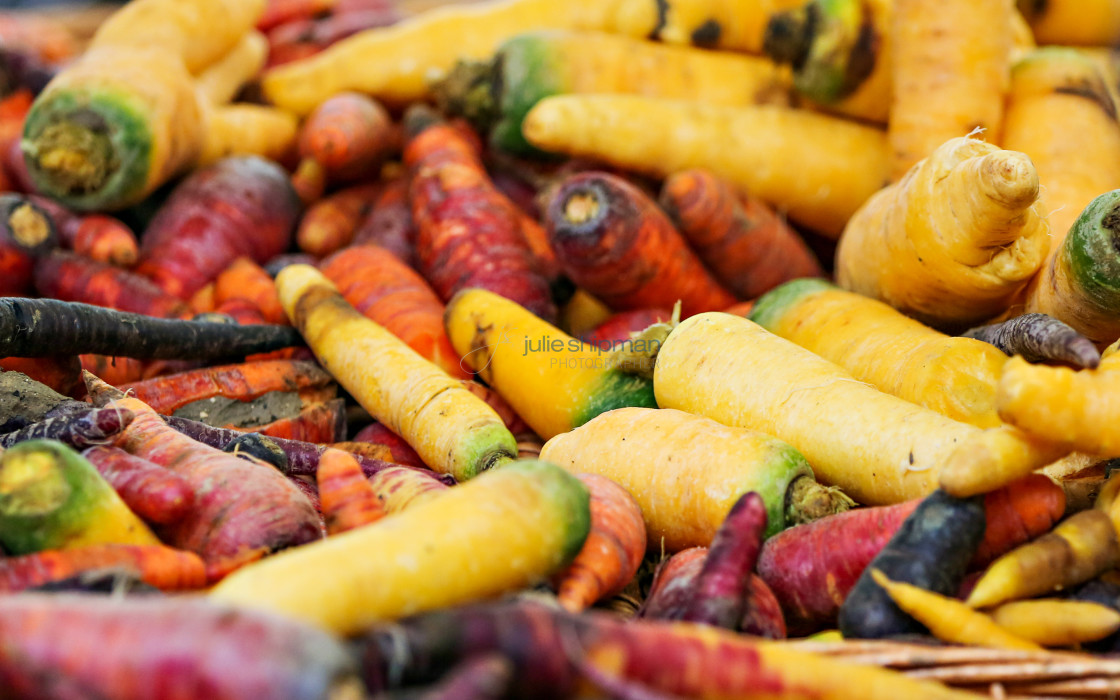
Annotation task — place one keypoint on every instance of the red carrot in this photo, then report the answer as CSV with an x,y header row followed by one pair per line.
x,y
348,500
330,223
616,329
156,494
385,290
469,234
95,236
15,166
63,373
70,277
243,510
94,426
402,453
673,585
278,12
317,423
306,37
347,137
615,242
389,222
748,247
612,552
163,567
240,206
26,234
163,647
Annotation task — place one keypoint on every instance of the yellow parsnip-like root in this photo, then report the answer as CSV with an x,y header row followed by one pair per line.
x,y
221,81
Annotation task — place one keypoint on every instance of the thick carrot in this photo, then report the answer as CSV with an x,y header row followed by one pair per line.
x,y
348,500
242,512
330,223
201,228
348,136
26,233
389,222
163,567
1039,338
950,70
1056,622
613,241
377,434
840,163
95,426
156,494
452,430
68,276
142,645
612,552
385,290
451,193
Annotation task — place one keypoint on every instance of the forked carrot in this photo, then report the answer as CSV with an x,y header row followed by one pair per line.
x,y
348,500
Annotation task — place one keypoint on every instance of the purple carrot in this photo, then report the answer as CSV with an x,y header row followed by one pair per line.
x,y
484,677
94,426
673,585
1039,338
721,586
156,494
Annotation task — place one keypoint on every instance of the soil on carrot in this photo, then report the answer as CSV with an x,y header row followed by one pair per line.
x,y
221,411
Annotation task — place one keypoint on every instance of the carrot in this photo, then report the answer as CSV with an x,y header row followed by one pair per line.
x,y
612,552
243,130
310,36
613,241
365,449
113,370
246,280
222,80
930,550
950,71
322,422
201,228
141,643
52,498
389,293
450,192
163,567
400,61
1092,23
453,431
513,422
967,261
617,328
1039,338
1078,549
79,430
485,677
398,487
348,500
58,372
96,236
538,513
279,262
524,358
347,136
242,511
26,233
1017,513
673,586
496,93
951,620
67,276
956,377
377,434
1057,622
156,494
841,163
738,25
389,222
650,452
330,224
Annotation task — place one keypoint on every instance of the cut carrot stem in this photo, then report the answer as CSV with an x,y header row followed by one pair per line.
x,y
163,567
67,276
156,494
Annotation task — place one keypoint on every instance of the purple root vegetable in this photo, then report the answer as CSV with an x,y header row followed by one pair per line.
x,y
156,494
141,647
485,677
93,426
1039,338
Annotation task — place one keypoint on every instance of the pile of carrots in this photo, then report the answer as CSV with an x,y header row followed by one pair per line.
x,y
537,349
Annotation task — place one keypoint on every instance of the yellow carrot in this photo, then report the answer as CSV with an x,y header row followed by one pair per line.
x,y
452,430
1057,622
1079,22
739,25
951,620
221,81
246,129
819,169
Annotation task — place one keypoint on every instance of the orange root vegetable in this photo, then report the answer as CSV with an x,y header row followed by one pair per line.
x,y
245,279
1018,513
26,233
613,241
330,224
613,551
95,236
71,277
243,510
163,567
348,500
348,136
58,372
950,72
156,494
323,422
114,370
451,193
390,293
746,245
377,434
984,236
389,223
1078,549
398,488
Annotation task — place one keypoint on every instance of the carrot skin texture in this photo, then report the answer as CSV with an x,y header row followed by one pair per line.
x,y
67,276
389,223
329,224
377,434
614,241
163,567
247,280
347,135
201,228
246,655
347,499
78,430
1039,338
930,550
322,422
156,494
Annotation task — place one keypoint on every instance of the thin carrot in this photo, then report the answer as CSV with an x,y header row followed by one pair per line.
x,y
330,223
347,136
245,279
1057,622
613,551
163,567
67,276
385,290
1039,338
156,494
389,223
348,500
746,245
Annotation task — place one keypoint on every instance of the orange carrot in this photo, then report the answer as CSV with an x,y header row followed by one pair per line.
x,y
401,452
348,500
1018,512
59,373
330,224
612,552
347,136
163,567
615,242
389,222
202,301
71,277
388,292
318,423
114,370
245,279
748,247
156,494
95,236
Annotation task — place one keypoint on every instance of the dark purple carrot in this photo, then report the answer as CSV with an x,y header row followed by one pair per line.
x,y
258,447
156,494
1039,338
96,426
721,586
